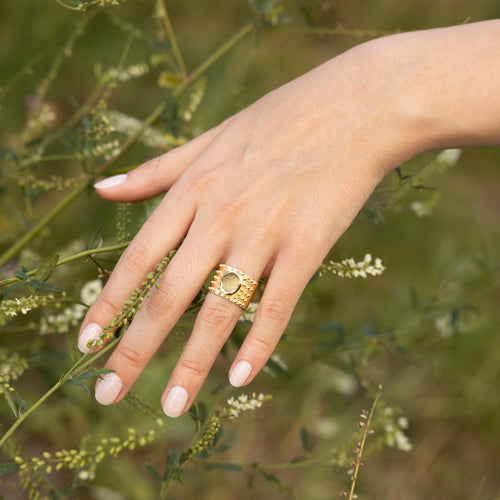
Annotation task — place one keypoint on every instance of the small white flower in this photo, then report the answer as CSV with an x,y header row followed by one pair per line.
x,y
249,313
403,422
350,268
444,325
83,475
402,441
449,157
421,209
90,291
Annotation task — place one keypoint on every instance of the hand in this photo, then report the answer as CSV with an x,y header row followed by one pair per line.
x,y
269,191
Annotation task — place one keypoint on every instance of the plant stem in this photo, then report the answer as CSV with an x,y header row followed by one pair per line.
x,y
171,38
28,236
179,90
21,418
215,56
202,68
363,441
77,368
76,256
321,31
16,247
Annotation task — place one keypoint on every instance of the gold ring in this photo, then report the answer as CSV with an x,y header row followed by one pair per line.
x,y
234,285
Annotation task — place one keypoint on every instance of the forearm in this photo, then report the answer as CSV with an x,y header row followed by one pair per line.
x,y
448,90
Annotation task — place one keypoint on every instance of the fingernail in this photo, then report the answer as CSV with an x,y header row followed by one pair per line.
x,y
111,181
240,373
108,388
91,332
176,401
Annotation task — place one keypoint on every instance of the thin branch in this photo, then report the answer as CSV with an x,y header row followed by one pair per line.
x,y
29,235
172,39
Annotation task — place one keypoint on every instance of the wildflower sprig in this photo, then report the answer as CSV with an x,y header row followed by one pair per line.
x,y
133,304
10,308
53,182
86,459
364,426
206,440
349,268
120,321
83,6
235,406
83,462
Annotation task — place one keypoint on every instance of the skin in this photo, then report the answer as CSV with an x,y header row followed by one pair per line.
x,y
271,189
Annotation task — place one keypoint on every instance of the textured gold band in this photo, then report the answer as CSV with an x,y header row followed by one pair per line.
x,y
234,285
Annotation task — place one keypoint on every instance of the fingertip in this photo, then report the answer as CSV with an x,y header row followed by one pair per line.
x,y
91,333
175,402
110,182
108,388
240,373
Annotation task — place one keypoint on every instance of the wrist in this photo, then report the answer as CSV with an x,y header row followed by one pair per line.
x,y
445,87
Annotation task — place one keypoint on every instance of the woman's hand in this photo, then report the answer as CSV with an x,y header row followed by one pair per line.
x,y
269,191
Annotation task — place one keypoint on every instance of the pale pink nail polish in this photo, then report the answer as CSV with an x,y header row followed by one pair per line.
x,y
240,374
116,180
91,332
176,401
108,388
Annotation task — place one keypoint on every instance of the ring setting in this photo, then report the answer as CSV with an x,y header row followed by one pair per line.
x,y
233,285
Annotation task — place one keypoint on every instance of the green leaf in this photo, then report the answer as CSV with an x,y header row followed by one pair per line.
x,y
307,443
93,373
8,468
45,287
225,466
21,274
271,478
198,413
276,370
222,448
96,240
153,473
172,469
79,383
45,270
14,401
304,438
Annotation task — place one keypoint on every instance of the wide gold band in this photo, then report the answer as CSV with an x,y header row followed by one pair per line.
x,y
234,285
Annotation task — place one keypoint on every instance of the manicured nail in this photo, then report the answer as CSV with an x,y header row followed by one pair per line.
x,y
108,388
111,181
176,401
91,332
240,373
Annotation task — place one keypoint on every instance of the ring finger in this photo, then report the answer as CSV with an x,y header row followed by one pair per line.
x,y
212,327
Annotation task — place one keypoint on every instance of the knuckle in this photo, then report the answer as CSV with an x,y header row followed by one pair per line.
x,y
262,345
231,207
193,366
216,317
161,302
274,312
135,257
194,185
153,166
130,354
107,305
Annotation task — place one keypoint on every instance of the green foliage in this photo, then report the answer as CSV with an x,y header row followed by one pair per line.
x,y
346,335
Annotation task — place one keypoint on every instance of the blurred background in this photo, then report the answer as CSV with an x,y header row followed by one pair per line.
x,y
427,329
